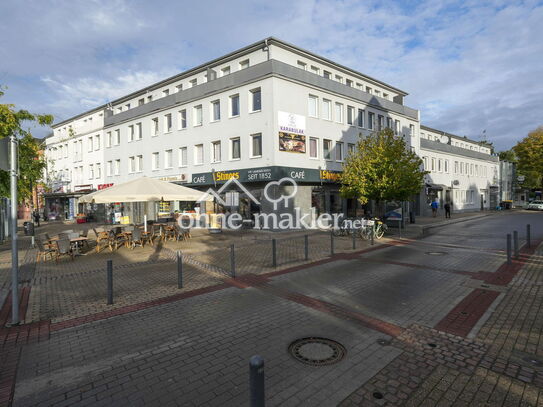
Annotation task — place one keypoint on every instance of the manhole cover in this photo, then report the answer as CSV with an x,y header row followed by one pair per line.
x,y
317,351
436,253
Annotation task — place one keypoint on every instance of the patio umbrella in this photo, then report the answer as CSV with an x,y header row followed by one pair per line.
x,y
145,189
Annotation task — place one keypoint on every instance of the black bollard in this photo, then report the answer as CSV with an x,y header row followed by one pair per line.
x,y
528,236
354,238
331,243
256,381
274,253
306,247
509,248
232,261
515,244
110,282
179,269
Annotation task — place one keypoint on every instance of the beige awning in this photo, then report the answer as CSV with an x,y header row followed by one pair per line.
x,y
145,189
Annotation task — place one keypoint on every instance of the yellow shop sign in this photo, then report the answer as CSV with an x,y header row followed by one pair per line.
x,y
225,175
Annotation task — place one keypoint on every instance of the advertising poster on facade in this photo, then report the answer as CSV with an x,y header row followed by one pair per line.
x,y
292,143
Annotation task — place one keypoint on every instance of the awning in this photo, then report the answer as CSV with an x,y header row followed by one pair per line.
x,y
437,187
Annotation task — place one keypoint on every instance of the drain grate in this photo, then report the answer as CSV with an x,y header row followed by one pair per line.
x,y
436,253
317,351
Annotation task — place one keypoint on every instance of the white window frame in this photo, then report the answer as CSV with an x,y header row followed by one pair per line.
x,y
328,103
315,100
155,161
198,113
168,159
232,140
197,160
339,149
183,161
252,93
183,119
212,112
316,140
168,123
252,137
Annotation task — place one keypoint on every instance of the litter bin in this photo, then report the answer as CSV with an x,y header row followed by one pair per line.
x,y
29,228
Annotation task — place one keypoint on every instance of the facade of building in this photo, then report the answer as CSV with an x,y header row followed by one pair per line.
x,y
267,111
462,172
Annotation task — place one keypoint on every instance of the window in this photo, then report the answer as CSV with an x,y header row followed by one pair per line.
x,y
396,127
349,83
225,71
168,158
91,171
339,112
235,148
339,151
108,139
302,65
446,166
351,148
119,109
440,165
350,115
389,122
98,170
90,144
433,164
326,148
327,109
66,151
215,110
183,119
198,154
476,170
385,95
313,147
368,90
380,122
167,123
117,167
471,169
256,145
327,75
315,70
412,130
155,126
216,152
256,100
361,117
149,98
130,133
127,106
456,167
179,88
139,133
193,82
183,162
339,78
425,163
141,101
131,164
461,168
234,105
155,161
117,137
377,92
139,163
244,64
197,115
312,105
165,92
371,120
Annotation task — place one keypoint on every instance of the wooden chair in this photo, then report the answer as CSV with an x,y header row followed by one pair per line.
x,y
63,248
149,236
44,250
137,238
101,239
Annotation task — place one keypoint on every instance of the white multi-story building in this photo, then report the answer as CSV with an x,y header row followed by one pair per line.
x,y
258,114
462,172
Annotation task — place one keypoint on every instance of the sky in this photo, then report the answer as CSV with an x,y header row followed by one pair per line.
x,y
468,66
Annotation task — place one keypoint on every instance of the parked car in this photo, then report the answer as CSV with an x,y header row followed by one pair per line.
x,y
536,205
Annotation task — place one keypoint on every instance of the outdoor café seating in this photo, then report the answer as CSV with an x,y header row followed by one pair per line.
x,y
63,248
44,250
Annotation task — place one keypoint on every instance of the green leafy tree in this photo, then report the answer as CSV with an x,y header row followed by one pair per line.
x,y
382,168
508,155
529,152
31,163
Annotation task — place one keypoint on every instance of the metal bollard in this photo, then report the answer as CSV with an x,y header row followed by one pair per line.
x,y
179,269
354,238
274,253
306,247
515,244
256,381
331,243
109,282
528,236
372,234
509,248
232,261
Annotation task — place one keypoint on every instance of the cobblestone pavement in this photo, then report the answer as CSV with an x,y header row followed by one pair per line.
x,y
419,328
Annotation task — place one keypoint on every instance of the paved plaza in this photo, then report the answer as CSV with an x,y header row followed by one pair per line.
x,y
441,320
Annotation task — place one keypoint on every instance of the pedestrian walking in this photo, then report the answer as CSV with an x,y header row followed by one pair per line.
x,y
447,207
434,206
36,215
